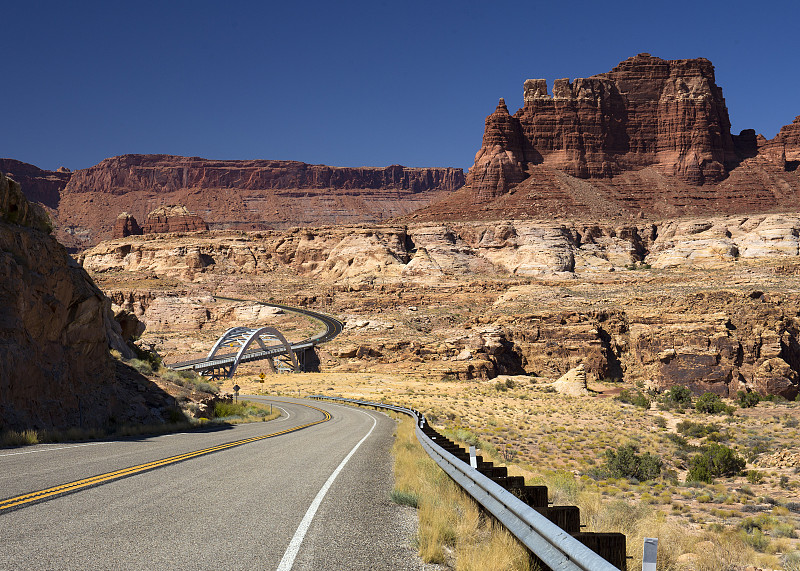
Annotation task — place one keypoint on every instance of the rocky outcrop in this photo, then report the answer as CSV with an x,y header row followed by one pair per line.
x,y
572,383
15,208
56,328
124,226
785,147
721,340
247,195
39,185
651,138
175,218
646,111
429,252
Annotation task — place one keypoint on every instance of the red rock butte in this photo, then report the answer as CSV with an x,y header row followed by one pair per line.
x,y
649,138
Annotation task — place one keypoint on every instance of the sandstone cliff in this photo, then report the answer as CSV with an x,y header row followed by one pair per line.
x,y
39,185
56,328
649,138
242,194
636,301
426,252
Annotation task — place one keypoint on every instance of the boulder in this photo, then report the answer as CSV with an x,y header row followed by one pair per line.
x,y
573,383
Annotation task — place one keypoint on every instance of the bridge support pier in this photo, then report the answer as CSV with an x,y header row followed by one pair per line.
x,y
308,360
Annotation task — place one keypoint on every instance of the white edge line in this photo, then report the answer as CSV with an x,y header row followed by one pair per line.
x,y
294,545
58,448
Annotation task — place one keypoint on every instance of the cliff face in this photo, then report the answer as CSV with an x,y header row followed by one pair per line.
x,y
680,302
56,328
39,185
646,111
650,136
242,194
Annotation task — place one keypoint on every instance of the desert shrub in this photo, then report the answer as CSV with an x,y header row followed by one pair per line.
x,y
715,460
21,438
660,422
627,463
150,357
501,386
678,440
171,376
747,400
175,415
756,446
677,397
784,530
695,429
762,522
205,387
144,367
637,399
711,404
755,477
757,540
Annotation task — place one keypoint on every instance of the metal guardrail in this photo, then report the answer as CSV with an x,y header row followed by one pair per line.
x,y
553,546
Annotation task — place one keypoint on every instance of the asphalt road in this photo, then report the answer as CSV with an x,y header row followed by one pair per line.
x,y
237,508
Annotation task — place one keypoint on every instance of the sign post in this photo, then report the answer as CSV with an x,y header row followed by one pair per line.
x,y
236,393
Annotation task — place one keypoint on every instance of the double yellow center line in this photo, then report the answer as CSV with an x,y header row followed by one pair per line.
x,y
77,485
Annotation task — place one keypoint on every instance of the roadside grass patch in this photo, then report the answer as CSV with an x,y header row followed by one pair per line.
x,y
452,529
405,498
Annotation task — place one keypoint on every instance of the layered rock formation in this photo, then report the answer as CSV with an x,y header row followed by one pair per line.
x,y
785,147
679,330
646,111
162,220
429,252
247,195
56,328
39,185
173,218
649,138
125,225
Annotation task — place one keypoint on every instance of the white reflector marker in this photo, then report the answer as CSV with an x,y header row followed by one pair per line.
x,y
650,554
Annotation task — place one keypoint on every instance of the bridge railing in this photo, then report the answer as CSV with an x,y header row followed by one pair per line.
x,y
552,545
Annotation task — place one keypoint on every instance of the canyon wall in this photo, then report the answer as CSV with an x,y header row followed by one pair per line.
x,y
38,185
703,302
247,195
56,329
430,251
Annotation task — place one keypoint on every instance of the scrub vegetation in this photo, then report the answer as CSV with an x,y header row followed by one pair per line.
x,y
580,446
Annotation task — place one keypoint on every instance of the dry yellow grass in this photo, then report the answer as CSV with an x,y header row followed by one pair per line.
x,y
557,438
451,528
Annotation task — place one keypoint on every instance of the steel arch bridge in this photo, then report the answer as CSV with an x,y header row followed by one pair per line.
x,y
267,343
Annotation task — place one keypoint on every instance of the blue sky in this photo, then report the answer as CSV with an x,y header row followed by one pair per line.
x,y
347,83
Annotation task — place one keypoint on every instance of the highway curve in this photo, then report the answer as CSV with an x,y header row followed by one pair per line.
x,y
332,325
242,507
332,328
